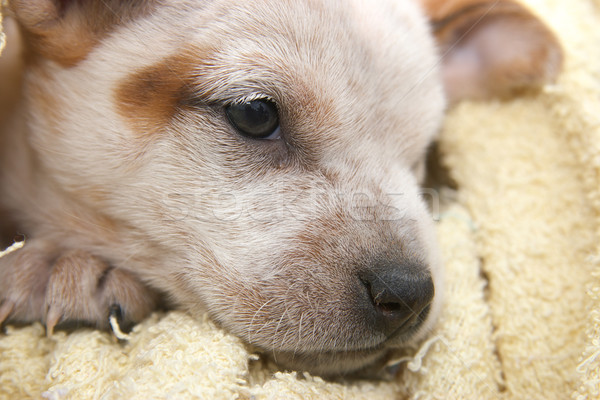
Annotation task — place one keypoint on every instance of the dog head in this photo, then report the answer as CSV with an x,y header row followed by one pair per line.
x,y
257,161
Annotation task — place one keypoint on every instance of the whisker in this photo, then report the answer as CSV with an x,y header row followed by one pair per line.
x,y
254,316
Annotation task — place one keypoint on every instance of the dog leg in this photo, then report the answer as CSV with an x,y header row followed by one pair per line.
x,y
39,282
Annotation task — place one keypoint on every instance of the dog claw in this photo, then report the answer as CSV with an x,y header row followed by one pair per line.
x,y
115,311
52,319
6,309
58,287
115,318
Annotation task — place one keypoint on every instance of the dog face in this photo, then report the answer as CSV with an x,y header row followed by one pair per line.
x,y
302,242
256,161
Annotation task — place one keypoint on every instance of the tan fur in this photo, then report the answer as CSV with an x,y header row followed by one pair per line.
x,y
123,169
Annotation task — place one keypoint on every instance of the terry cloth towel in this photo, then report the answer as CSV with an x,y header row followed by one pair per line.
x,y
520,243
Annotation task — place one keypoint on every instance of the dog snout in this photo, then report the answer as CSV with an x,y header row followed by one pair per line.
x,y
399,297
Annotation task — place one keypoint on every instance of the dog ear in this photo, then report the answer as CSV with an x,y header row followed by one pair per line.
x,y
492,48
66,30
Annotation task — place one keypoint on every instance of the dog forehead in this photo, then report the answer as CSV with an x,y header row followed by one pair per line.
x,y
367,68
370,64
365,50
315,32
379,40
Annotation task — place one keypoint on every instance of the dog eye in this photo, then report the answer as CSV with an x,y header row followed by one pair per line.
x,y
256,119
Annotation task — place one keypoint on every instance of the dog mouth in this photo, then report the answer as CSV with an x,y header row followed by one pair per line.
x,y
380,310
371,362
408,329
335,364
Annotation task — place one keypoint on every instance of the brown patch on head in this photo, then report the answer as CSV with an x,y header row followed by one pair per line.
x,y
149,98
66,31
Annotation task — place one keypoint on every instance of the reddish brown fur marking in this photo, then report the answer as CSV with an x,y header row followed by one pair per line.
x,y
149,98
66,32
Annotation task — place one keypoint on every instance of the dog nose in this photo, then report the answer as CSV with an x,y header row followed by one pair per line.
x,y
400,297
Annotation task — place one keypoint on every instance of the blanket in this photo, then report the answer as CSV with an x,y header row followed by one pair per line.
x,y
519,237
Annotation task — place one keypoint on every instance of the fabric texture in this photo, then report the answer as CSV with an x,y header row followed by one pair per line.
x,y
520,242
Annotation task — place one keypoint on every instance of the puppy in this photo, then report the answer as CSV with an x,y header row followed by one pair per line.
x,y
258,161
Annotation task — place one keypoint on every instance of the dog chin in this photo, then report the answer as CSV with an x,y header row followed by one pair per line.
x,y
369,363
366,363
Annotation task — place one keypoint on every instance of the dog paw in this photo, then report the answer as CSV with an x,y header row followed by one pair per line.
x,y
39,282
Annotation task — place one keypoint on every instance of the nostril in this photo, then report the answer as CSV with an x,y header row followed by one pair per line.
x,y
389,307
381,299
400,297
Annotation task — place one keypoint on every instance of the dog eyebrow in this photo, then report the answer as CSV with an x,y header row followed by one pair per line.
x,y
250,97
215,80
212,89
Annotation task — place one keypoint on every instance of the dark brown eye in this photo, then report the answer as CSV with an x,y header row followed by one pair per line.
x,y
256,119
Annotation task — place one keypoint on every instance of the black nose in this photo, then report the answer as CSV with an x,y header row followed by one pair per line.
x,y
400,296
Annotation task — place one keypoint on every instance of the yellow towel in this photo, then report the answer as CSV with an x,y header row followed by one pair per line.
x,y
521,249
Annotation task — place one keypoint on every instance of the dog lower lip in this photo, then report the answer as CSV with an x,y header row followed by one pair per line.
x,y
369,363
324,362
401,335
